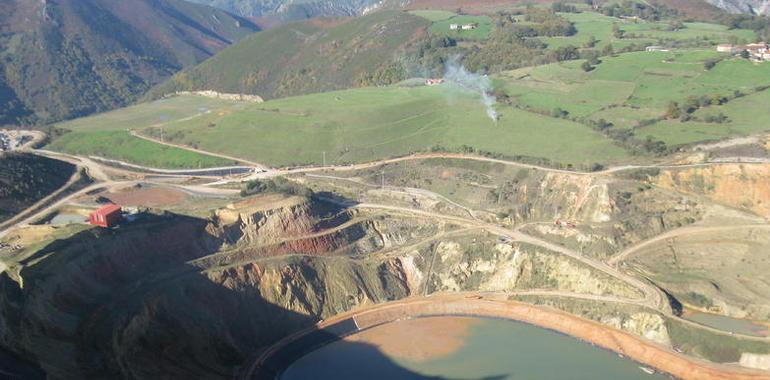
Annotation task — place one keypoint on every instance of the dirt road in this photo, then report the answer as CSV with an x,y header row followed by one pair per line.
x,y
624,254
199,151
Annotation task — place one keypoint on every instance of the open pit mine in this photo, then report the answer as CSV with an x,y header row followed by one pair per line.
x,y
270,285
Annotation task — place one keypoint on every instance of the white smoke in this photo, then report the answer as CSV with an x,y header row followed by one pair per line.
x,y
474,82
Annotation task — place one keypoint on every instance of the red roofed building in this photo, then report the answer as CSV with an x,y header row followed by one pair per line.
x,y
107,216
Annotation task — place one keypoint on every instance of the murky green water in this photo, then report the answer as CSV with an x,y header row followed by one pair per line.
x,y
740,326
492,349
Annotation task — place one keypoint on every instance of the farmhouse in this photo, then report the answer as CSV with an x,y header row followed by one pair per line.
x,y
106,216
655,48
434,81
758,52
726,48
470,26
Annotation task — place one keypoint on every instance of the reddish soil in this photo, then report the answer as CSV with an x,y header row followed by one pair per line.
x,y
148,196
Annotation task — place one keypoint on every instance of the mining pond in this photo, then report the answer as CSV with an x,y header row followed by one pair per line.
x,y
453,347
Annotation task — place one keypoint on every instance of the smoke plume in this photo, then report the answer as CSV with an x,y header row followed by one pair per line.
x,y
474,82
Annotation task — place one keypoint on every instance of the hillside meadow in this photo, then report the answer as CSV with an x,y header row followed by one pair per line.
x,y
633,90
349,126
599,26
548,114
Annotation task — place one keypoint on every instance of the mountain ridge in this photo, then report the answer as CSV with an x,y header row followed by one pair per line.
x,y
70,58
293,9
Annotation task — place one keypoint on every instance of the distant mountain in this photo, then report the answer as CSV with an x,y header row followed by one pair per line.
x,y
293,9
67,58
757,7
310,56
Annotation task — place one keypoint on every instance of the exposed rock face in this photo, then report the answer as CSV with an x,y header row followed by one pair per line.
x,y
740,186
292,10
755,361
115,304
107,304
756,7
648,325
506,267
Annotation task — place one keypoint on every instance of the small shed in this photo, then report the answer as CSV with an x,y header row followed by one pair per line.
x,y
106,216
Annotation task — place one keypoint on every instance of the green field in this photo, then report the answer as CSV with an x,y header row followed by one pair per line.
x,y
647,33
350,126
106,135
482,31
634,87
747,115
434,16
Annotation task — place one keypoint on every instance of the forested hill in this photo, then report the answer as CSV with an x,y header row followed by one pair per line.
x,y
293,10
69,58
26,179
309,56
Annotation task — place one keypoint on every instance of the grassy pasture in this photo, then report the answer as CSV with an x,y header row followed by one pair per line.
x,y
481,32
600,27
747,115
107,134
358,125
120,145
372,123
434,16
633,87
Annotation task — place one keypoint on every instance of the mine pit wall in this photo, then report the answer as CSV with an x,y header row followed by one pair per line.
x,y
745,186
118,308
277,358
114,303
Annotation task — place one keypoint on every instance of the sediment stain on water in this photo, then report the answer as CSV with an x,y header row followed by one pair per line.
x,y
467,348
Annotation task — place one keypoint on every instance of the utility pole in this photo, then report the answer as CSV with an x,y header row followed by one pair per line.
x,y
161,134
382,176
324,158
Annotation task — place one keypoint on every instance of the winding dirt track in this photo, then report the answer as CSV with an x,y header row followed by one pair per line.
x,y
636,348
199,151
651,296
622,255
422,156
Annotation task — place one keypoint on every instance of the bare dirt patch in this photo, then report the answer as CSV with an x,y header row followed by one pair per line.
x,y
148,196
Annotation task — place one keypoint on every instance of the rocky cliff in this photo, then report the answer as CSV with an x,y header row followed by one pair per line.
x,y
744,186
757,7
